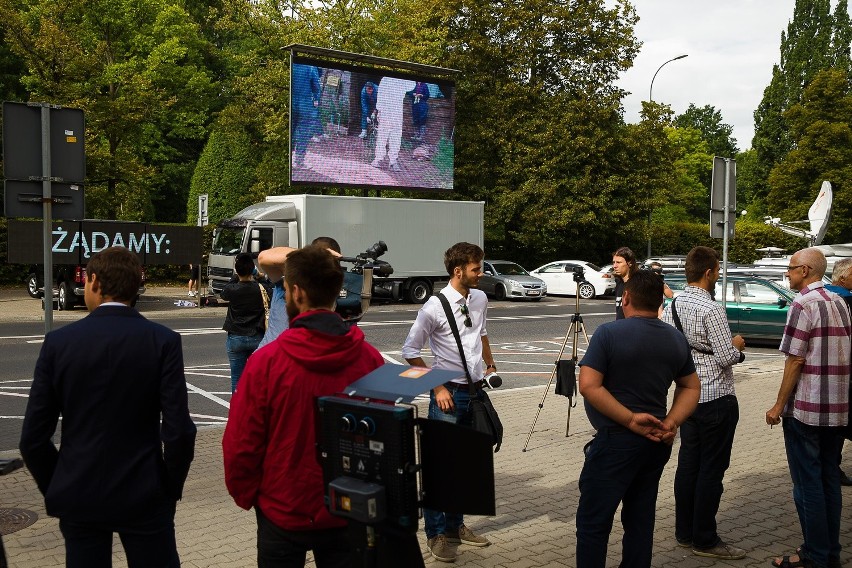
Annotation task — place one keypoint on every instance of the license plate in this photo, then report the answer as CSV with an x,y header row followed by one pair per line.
x,y
534,293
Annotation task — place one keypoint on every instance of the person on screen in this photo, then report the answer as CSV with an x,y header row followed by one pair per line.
x,y
389,107
369,94
306,96
419,110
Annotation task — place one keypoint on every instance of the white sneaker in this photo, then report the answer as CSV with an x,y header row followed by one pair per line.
x,y
363,134
191,294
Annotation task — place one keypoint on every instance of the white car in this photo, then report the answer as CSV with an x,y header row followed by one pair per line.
x,y
559,277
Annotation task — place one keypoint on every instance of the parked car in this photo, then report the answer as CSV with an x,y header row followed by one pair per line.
x,y
756,306
670,262
776,274
559,276
503,279
69,284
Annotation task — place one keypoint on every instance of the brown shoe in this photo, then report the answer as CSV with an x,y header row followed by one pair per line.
x,y
466,536
721,550
440,549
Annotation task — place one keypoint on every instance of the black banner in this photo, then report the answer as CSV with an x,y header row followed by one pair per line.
x,y
74,242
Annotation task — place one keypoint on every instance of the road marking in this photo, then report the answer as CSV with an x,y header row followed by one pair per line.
x,y
22,395
208,395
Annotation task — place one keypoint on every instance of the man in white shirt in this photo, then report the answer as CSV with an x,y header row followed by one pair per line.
x,y
450,401
389,107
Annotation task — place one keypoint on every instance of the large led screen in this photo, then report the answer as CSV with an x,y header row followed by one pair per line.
x,y
366,127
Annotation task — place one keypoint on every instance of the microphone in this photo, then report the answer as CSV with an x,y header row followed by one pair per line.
x,y
492,380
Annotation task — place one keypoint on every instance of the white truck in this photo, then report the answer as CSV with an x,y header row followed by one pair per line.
x,y
416,231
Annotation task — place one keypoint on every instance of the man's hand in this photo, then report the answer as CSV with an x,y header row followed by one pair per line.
x,y
773,415
444,399
738,342
648,426
668,432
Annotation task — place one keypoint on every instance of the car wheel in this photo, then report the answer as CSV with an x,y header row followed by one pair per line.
x,y
586,291
32,286
419,291
66,296
499,292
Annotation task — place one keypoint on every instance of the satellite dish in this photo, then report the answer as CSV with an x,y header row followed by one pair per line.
x,y
820,212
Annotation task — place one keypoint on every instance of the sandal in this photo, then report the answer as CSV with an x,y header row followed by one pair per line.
x,y
787,563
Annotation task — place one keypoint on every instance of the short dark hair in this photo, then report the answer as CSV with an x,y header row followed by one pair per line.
x,y
461,254
119,273
244,264
327,242
316,272
698,261
629,257
646,290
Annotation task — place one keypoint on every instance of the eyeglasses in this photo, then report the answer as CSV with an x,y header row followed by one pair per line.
x,y
466,313
789,268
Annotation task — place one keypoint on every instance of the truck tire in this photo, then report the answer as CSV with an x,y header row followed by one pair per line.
x,y
66,297
32,286
499,293
586,291
419,291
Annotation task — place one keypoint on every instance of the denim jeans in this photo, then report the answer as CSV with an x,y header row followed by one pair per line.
x,y
239,348
620,467
706,439
812,454
438,522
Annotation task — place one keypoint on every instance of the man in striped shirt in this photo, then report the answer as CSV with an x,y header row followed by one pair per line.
x,y
706,438
814,402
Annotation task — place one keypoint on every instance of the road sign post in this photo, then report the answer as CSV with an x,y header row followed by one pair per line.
x,y
723,206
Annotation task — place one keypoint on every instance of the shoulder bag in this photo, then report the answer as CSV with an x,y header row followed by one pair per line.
x,y
484,417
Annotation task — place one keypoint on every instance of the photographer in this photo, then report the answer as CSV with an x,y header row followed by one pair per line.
x,y
270,438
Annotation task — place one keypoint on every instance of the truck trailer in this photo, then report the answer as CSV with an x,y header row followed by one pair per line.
x,y
416,231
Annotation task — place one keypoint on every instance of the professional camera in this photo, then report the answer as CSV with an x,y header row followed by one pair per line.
x,y
579,274
354,299
656,269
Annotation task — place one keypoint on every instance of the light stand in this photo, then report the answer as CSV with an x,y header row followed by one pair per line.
x,y
574,330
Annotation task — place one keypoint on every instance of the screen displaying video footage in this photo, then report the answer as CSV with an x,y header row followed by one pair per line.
x,y
369,128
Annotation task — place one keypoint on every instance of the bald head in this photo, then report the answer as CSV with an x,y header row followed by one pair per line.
x,y
806,267
814,258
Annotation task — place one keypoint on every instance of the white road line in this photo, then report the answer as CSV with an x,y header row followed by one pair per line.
x,y
200,374
208,417
12,417
208,395
15,394
390,359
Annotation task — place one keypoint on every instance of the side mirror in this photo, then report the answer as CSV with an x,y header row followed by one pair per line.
x,y
488,272
255,248
782,302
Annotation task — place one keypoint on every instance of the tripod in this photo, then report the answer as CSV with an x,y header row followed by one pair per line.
x,y
574,330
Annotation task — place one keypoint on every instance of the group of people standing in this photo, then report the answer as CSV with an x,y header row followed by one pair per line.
x,y
117,380
628,370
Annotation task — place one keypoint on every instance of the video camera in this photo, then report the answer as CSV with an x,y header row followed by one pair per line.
x,y
579,274
357,290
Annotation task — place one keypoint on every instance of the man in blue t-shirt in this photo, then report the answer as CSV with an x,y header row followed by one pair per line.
x,y
625,377
271,262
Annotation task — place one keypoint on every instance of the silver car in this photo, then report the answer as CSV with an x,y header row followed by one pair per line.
x,y
503,279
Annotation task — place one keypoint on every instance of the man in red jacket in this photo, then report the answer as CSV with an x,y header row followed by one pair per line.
x,y
269,443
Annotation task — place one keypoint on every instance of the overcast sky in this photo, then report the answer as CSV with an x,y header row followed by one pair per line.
x,y
732,46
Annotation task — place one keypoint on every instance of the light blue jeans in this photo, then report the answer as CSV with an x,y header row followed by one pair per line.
x,y
239,348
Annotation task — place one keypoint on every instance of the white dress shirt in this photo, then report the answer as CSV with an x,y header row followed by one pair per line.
x,y
431,325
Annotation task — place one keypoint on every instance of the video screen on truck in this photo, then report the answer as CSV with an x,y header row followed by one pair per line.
x,y
366,127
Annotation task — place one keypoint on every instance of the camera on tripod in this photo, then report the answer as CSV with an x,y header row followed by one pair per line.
x,y
579,274
357,290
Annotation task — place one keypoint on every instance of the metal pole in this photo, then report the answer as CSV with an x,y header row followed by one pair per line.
x,y
47,218
727,229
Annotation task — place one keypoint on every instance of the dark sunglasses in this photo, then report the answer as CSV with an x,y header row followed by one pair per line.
x,y
466,313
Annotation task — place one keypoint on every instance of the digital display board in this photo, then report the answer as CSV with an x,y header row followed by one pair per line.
x,y
370,128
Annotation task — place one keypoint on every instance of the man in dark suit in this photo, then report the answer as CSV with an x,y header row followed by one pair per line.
x,y
112,376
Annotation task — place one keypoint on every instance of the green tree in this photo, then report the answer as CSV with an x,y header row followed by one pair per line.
x,y
822,127
689,199
707,120
137,70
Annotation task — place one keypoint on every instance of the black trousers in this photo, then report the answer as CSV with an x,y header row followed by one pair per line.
x,y
148,543
279,548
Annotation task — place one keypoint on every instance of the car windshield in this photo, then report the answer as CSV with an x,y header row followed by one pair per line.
x,y
228,241
509,269
594,267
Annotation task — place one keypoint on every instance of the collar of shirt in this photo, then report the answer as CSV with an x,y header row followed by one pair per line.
x,y
693,289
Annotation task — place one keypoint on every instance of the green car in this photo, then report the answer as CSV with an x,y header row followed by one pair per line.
x,y
756,307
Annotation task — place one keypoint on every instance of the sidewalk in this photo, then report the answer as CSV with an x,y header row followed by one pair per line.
x,y
537,495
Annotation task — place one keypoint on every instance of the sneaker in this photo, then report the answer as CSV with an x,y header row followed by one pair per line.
x,y
363,134
721,550
440,550
466,536
684,542
190,293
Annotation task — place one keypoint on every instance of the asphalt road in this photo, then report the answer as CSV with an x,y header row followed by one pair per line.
x,y
526,339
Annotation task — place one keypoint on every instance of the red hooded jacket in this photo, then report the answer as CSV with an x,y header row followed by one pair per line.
x,y
269,442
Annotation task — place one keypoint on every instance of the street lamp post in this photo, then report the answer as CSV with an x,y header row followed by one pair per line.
x,y
651,99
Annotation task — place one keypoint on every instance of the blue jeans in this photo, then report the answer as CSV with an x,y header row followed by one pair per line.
x,y
620,467
438,522
239,348
706,439
813,456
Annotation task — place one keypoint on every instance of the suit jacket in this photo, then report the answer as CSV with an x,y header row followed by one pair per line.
x,y
112,376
